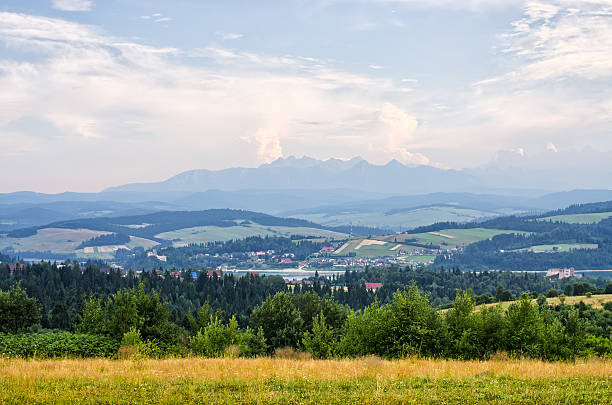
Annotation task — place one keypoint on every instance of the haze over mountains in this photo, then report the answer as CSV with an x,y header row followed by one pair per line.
x,y
331,192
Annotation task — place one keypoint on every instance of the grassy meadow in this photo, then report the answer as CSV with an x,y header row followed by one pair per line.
x,y
56,240
560,247
596,301
275,380
592,218
203,234
406,220
459,237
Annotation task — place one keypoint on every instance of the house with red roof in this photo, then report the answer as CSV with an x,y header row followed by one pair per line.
x,y
373,286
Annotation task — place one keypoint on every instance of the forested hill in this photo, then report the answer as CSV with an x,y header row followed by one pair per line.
x,y
579,236
547,245
533,223
150,225
598,207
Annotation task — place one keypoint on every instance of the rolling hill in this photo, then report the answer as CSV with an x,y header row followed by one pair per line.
x,y
331,192
550,240
83,237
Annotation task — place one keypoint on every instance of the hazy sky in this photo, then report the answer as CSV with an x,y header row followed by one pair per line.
x,y
95,93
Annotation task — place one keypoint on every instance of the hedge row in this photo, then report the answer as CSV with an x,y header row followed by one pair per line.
x,y
64,344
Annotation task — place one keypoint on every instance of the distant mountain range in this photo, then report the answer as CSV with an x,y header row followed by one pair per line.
x,y
308,173
331,192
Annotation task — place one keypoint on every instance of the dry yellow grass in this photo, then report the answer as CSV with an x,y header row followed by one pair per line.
x,y
596,301
285,369
286,381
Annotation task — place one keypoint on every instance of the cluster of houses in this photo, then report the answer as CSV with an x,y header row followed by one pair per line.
x,y
360,262
153,253
250,258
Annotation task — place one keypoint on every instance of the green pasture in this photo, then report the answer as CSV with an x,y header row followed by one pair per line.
x,y
459,237
54,240
579,218
405,220
561,247
203,234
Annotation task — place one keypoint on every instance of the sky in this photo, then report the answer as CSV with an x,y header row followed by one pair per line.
x,y
100,93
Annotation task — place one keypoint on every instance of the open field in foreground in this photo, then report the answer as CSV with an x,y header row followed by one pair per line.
x,y
271,380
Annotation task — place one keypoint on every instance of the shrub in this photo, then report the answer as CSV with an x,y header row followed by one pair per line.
x,y
599,346
64,344
131,337
253,344
321,343
133,347
18,312
524,328
216,339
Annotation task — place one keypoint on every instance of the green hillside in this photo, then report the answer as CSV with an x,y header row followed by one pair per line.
x,y
452,238
81,238
400,220
203,234
590,218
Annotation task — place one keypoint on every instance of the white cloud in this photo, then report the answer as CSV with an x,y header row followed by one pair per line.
x,y
551,147
156,17
91,88
473,5
268,145
558,38
229,36
556,88
376,67
400,133
73,5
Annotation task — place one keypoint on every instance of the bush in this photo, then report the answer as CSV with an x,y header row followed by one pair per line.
x,y
18,312
408,325
321,342
217,340
133,347
599,346
253,344
64,344
131,338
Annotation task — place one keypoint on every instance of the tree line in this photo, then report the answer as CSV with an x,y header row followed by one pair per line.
x,y
134,322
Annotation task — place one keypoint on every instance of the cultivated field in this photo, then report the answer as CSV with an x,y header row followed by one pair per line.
x,y
270,380
364,247
60,240
388,245
562,247
458,237
579,218
55,240
418,258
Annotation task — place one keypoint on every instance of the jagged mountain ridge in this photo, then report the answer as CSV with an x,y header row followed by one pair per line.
x,y
308,173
